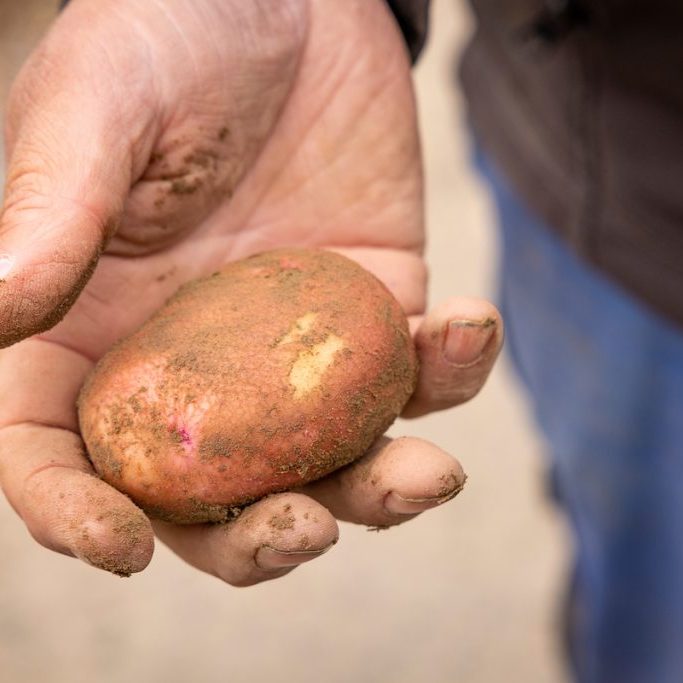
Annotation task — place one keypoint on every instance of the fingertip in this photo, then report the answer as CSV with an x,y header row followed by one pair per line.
x,y
272,559
466,341
42,277
268,540
118,540
73,512
396,480
457,344
459,311
287,529
396,504
417,470
97,525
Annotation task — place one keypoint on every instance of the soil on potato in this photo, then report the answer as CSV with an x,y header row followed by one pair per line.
x,y
268,374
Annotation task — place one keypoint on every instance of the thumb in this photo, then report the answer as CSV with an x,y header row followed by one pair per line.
x,y
69,172
58,212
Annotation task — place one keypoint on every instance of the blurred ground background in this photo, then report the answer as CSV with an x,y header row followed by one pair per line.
x,y
465,594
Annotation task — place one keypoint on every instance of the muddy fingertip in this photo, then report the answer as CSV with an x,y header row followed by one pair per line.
x,y
118,540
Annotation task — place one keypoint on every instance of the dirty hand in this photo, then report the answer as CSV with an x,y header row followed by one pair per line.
x,y
150,142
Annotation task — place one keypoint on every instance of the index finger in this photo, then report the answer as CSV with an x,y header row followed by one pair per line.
x,y
44,471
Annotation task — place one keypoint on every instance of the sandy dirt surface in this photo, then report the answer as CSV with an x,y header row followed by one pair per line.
x,y
465,594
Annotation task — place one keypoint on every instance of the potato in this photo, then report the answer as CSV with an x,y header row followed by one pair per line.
x,y
266,375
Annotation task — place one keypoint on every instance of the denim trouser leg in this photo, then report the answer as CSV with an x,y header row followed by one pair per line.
x,y
606,381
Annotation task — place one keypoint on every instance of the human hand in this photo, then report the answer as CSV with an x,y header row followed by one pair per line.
x,y
158,141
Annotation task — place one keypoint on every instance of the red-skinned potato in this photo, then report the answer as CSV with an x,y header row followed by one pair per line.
x,y
266,375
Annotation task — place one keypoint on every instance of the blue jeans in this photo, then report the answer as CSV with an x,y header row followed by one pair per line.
x,y
605,376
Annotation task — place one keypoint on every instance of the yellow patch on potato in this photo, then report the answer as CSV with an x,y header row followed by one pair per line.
x,y
300,328
309,367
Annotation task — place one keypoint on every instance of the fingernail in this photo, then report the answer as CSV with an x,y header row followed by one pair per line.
x,y
466,339
6,263
269,558
395,504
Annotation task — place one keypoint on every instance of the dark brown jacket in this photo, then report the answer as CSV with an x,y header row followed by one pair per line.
x,y
581,104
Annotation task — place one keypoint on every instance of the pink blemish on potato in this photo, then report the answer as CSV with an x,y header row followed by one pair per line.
x,y
183,435
185,422
180,416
